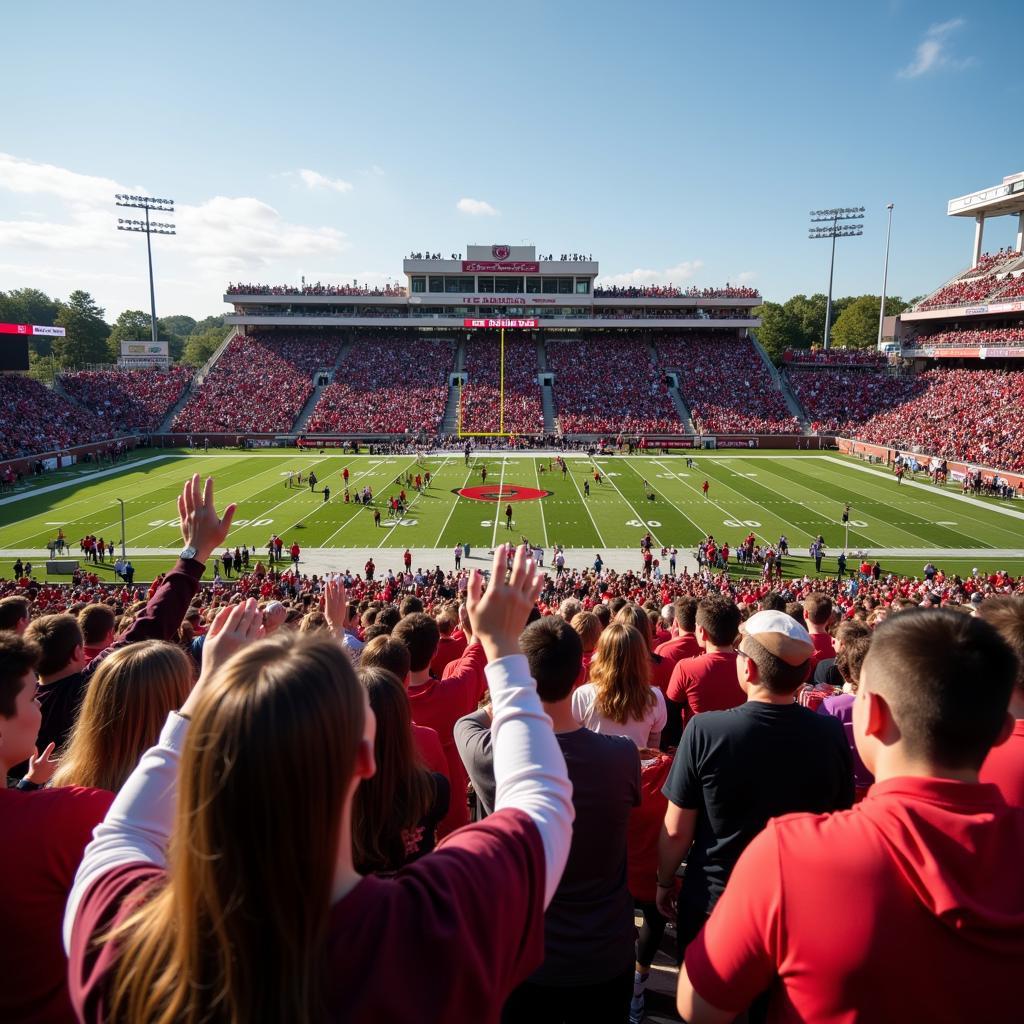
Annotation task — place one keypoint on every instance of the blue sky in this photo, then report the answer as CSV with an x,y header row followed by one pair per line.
x,y
673,140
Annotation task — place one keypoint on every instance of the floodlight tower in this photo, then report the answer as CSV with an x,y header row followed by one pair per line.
x,y
147,203
838,224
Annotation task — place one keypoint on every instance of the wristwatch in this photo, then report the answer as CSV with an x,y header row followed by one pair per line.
x,y
187,553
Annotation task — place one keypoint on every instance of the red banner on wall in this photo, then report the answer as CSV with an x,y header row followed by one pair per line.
x,y
499,267
500,323
54,332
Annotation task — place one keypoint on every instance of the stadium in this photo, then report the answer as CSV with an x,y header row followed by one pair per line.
x,y
510,639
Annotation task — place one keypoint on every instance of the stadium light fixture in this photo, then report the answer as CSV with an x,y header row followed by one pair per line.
x,y
836,222
147,227
885,278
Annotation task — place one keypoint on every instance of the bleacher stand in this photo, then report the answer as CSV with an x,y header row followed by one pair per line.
x,y
34,419
386,386
260,383
129,399
726,386
481,393
601,389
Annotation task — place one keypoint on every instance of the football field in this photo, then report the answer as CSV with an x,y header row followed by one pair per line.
x,y
800,495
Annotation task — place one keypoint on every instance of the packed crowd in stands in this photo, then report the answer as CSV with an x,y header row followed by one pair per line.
x,y
969,415
390,290
990,262
129,399
670,291
842,401
834,356
481,394
542,757
1012,288
260,383
727,386
968,337
961,292
35,420
600,389
393,386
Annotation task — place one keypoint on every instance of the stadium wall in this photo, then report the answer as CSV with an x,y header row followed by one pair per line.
x,y
25,465
957,470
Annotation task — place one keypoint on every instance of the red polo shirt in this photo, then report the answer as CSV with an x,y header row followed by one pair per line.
x,y
823,650
707,683
880,913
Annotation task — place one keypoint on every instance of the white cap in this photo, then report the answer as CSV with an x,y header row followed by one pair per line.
x,y
780,634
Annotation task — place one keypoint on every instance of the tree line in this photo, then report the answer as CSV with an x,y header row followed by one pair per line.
x,y
799,322
89,339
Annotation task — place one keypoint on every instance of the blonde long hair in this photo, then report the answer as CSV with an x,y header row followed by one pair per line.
x,y
621,674
125,707
236,931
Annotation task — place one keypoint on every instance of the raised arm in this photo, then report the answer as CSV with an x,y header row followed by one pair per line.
x,y
138,824
529,769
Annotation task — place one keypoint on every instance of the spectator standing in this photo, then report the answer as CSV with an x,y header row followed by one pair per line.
x,y
736,769
588,928
932,702
44,834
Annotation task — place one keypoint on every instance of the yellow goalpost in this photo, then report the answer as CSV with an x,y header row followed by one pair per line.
x,y
501,431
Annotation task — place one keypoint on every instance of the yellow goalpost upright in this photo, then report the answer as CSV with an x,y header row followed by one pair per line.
x,y
500,432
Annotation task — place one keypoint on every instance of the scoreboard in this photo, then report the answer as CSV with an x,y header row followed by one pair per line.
x,y
14,343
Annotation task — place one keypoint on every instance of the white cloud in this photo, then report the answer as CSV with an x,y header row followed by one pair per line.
x,y
931,53
476,208
218,239
673,275
314,180
744,277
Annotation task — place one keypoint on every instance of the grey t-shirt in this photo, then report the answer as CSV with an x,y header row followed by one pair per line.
x,y
588,928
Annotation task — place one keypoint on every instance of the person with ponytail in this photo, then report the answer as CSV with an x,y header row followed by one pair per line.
x,y
397,809
222,885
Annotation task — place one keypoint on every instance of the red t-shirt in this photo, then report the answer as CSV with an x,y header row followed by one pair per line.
x,y
43,837
707,683
823,650
430,749
445,940
684,646
661,671
880,913
448,649
438,705
1005,766
645,823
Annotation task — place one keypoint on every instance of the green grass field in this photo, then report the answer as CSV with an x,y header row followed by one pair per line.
x,y
798,494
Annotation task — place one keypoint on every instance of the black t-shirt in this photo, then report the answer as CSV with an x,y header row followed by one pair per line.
x,y
740,767
59,703
588,928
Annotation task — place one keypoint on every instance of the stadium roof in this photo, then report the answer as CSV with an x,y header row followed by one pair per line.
x,y
995,201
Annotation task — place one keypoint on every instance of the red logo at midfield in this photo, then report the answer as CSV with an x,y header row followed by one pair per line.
x,y
503,492
501,252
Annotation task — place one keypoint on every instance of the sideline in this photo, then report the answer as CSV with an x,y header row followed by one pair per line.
x,y
78,481
929,488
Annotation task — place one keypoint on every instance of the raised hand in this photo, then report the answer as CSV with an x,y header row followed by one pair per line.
x,y
201,527
498,615
41,767
234,627
335,602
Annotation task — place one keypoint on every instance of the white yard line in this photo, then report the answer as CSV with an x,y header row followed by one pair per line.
x,y
362,508
586,505
83,478
540,501
723,510
451,511
639,517
497,510
658,490
411,503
